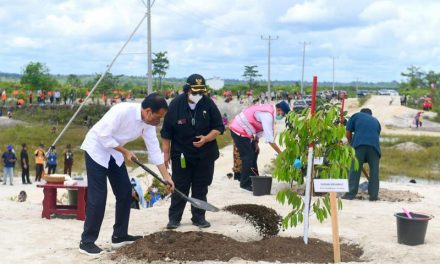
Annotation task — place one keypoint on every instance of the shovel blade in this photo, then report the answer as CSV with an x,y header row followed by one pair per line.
x,y
202,205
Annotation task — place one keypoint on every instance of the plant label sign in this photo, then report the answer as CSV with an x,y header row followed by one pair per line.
x,y
318,161
331,185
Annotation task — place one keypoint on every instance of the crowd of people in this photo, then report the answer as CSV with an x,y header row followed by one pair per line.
x,y
191,123
50,159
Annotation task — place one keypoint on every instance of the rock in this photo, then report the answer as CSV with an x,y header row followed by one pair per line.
x,y
408,146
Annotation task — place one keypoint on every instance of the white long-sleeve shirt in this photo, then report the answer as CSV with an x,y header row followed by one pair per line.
x,y
267,121
120,125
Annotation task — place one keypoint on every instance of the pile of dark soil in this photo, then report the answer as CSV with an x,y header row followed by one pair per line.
x,y
264,219
202,246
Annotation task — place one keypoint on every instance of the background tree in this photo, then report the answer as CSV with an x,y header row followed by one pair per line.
x,y
108,83
73,81
250,74
414,76
36,76
432,78
160,65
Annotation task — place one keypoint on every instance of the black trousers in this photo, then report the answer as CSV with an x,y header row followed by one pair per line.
x,y
97,197
197,176
25,175
38,171
68,168
52,169
246,147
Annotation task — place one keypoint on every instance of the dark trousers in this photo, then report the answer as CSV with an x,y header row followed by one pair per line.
x,y
197,176
246,147
68,168
52,169
25,175
39,168
365,154
97,196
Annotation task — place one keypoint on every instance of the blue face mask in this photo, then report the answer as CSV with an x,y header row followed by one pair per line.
x,y
278,117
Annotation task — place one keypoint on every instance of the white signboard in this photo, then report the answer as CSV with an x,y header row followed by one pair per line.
x,y
318,161
330,185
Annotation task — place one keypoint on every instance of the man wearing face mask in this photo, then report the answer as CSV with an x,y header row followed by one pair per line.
x,y
252,123
189,142
105,157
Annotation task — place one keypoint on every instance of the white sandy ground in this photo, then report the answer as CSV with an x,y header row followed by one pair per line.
x,y
25,237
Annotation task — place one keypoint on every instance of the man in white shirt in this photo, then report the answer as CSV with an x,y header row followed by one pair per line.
x,y
104,157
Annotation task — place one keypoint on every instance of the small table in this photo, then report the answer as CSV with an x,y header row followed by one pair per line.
x,y
50,205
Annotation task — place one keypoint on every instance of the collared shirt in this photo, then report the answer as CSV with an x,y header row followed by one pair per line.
x,y
181,125
8,159
121,124
366,129
267,121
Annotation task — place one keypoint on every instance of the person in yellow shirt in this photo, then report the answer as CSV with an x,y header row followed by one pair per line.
x,y
39,162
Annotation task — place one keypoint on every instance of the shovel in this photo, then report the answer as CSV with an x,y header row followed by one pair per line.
x,y
193,201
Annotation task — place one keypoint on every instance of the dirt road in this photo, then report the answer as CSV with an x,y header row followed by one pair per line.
x,y
394,118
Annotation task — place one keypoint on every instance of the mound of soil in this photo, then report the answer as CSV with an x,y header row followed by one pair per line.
x,y
266,220
201,246
393,196
384,195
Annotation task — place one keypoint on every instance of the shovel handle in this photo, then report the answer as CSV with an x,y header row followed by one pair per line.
x,y
148,170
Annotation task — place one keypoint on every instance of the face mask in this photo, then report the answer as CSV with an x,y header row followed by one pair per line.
x,y
278,117
154,190
195,97
192,106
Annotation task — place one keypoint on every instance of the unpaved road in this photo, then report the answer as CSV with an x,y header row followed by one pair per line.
x,y
394,118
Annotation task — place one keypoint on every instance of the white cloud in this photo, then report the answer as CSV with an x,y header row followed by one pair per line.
x,y
371,39
310,11
379,11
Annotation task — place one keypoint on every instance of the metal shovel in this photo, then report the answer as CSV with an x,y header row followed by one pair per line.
x,y
193,201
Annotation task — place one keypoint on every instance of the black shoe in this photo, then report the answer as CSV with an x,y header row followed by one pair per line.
x,y
373,199
118,242
347,197
173,225
90,249
202,224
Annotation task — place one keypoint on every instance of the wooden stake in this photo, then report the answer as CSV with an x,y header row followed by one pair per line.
x,y
335,228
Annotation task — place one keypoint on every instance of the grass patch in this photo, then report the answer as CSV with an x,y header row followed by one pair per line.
x,y
39,132
415,164
363,99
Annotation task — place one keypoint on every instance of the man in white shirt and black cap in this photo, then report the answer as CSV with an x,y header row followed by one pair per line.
x,y
105,157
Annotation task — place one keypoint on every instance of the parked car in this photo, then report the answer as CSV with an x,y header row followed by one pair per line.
x,y
362,93
387,92
299,105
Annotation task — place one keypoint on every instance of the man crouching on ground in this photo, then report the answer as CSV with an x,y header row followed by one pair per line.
x,y
104,157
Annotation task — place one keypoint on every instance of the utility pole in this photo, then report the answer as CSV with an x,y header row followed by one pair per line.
x,y
333,89
269,39
150,70
357,84
302,74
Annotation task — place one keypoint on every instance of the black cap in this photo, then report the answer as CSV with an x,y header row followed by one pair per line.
x,y
196,82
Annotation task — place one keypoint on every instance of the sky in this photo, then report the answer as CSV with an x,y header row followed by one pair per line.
x,y
369,41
